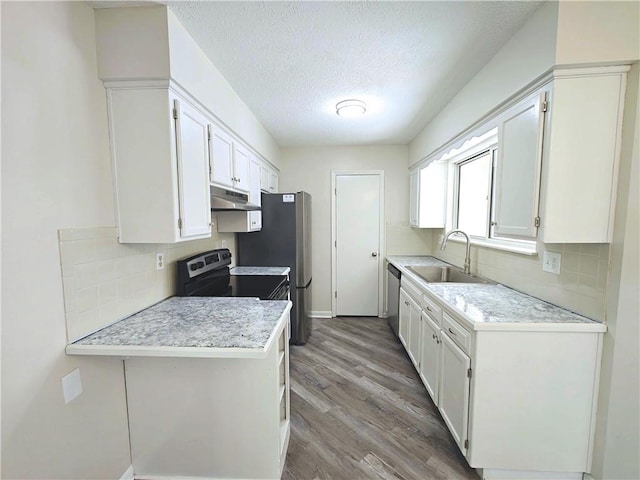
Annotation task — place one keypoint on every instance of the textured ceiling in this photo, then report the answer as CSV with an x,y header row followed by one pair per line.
x,y
291,62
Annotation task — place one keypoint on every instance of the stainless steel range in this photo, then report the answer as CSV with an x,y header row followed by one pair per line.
x,y
207,275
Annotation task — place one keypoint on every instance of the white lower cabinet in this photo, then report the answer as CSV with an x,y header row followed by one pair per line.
x,y
515,397
414,333
210,417
430,357
409,319
454,390
404,317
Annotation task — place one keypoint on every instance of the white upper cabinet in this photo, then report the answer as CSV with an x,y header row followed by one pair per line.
x,y
520,131
229,162
414,197
160,155
192,142
241,167
581,155
428,196
268,179
254,181
221,158
245,221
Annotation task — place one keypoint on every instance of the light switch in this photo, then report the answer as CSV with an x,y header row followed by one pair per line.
x,y
71,385
551,262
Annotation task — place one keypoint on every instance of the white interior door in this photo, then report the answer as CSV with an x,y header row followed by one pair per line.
x,y
357,245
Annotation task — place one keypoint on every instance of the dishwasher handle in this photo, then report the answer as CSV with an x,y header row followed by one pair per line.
x,y
393,271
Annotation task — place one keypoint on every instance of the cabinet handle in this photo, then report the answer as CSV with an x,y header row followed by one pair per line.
x,y
428,310
452,332
433,335
406,303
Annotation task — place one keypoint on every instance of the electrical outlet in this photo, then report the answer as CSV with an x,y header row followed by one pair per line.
x,y
71,385
551,262
159,261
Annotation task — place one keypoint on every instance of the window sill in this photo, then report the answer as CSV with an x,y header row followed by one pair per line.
x,y
513,247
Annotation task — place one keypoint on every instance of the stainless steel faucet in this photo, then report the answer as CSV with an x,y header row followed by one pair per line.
x,y
467,259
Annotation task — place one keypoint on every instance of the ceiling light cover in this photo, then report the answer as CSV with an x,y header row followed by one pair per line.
x,y
351,108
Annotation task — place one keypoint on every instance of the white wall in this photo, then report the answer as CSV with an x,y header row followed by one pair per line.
x,y
596,31
574,33
150,43
55,174
309,169
617,440
528,54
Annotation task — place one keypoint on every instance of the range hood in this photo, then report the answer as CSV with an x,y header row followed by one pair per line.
x,y
223,199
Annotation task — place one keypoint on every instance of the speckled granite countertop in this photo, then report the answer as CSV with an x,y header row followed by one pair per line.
x,y
495,307
192,327
259,271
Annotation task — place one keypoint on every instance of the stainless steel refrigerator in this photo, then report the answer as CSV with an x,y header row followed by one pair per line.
x,y
285,240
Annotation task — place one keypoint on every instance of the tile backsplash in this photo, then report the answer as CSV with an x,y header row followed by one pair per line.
x,y
581,286
105,281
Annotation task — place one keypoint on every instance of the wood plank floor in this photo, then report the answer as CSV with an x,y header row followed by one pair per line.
x,y
360,411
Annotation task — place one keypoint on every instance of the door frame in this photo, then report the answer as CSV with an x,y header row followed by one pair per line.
x,y
334,228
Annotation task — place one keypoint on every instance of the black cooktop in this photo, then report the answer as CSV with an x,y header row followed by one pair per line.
x,y
207,275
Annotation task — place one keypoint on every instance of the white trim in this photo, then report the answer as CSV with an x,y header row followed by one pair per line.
x,y
504,245
587,476
498,474
181,477
382,247
128,474
320,314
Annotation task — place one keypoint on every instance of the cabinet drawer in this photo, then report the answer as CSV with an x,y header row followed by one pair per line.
x,y
455,332
411,289
434,311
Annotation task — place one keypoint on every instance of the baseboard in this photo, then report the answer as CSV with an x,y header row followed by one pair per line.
x,y
320,314
128,475
497,474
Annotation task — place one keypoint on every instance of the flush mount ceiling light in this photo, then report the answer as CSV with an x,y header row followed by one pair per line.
x,y
351,108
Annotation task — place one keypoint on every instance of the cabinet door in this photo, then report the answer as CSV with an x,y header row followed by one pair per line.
x,y
264,177
454,390
241,168
432,195
273,182
192,145
413,348
414,197
221,158
518,168
254,180
430,357
404,317
582,155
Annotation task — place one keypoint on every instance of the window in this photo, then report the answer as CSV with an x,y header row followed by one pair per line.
x,y
473,192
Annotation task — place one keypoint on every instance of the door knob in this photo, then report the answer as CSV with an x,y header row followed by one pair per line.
x,y
374,254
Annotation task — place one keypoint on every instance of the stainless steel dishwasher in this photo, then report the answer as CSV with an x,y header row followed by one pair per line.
x,y
393,296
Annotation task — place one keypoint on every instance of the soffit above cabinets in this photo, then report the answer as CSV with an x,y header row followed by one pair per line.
x,y
291,62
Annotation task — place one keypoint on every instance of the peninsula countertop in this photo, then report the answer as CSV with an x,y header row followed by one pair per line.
x,y
248,270
495,306
214,327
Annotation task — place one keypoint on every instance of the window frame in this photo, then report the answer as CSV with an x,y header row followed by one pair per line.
x,y
470,150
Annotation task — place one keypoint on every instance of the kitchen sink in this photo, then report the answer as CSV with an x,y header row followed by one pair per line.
x,y
447,275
